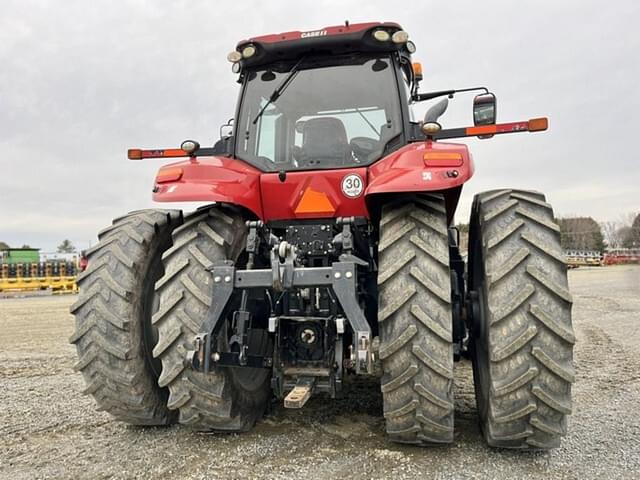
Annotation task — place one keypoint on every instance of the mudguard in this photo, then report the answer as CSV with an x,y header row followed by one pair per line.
x,y
409,169
211,179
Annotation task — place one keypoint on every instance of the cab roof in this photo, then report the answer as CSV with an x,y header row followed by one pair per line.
x,y
338,39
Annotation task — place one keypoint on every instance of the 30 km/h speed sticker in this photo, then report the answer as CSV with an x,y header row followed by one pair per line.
x,y
352,185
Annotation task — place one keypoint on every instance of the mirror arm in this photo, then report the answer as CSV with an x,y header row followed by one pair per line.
x,y
421,97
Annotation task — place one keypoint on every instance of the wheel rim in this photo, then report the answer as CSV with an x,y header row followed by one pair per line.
x,y
479,344
150,304
247,379
251,379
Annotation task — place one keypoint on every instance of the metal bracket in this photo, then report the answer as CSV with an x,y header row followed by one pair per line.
x,y
282,256
223,280
345,288
341,277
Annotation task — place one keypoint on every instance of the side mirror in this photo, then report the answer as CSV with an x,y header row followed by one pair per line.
x,y
484,109
226,130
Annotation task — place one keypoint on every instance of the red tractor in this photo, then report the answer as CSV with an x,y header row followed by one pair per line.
x,y
326,248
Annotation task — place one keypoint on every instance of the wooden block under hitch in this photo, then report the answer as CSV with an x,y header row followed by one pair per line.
x,y
297,397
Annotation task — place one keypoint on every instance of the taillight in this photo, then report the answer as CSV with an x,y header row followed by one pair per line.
x,y
442,159
169,175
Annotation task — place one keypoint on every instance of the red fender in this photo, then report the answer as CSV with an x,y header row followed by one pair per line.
x,y
409,169
211,179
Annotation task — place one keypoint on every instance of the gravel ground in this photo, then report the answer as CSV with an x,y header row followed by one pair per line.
x,y
49,430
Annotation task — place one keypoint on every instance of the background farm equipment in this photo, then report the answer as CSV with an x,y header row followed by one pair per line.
x,y
581,258
26,269
619,256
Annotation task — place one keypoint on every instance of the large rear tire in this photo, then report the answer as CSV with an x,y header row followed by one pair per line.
x,y
522,339
415,318
226,399
113,334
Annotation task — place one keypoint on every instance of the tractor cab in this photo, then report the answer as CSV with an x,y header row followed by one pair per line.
x,y
333,98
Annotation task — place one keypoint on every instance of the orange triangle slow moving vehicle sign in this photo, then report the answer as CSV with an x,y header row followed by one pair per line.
x,y
313,202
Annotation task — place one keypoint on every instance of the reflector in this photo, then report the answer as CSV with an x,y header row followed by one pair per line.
x,y
538,124
314,202
482,130
134,154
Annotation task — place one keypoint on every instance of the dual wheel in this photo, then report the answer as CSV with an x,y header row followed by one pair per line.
x,y
146,290
142,301
520,338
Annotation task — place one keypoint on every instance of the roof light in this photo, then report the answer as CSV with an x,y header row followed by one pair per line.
x,y
381,35
248,51
430,128
400,37
190,146
234,56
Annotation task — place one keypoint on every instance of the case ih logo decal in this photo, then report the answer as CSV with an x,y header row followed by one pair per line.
x,y
352,185
316,33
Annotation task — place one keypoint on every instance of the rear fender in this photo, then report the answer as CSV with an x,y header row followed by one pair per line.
x,y
211,179
406,170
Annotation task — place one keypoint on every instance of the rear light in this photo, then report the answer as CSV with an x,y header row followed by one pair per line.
x,y
169,175
442,159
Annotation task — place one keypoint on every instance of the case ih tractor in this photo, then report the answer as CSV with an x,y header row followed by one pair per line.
x,y
326,249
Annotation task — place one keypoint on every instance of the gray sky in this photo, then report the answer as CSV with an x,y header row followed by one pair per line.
x,y
80,82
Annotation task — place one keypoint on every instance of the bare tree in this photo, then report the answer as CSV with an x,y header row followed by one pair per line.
x,y
635,231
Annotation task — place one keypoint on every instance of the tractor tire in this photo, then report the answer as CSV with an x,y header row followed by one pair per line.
x,y
521,340
113,334
415,319
225,399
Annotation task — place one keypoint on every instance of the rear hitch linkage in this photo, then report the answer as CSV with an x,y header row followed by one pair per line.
x,y
283,275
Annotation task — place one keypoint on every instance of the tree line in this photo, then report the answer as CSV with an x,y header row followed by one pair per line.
x,y
585,233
